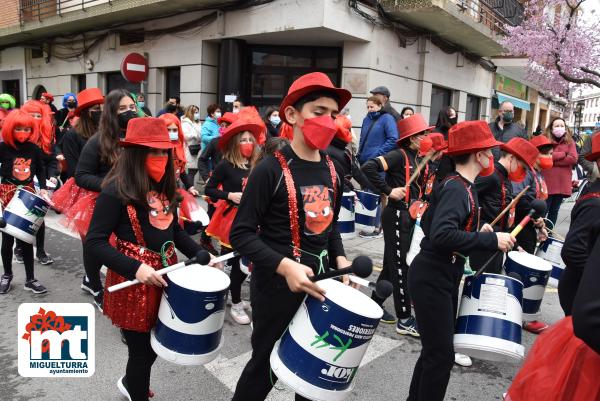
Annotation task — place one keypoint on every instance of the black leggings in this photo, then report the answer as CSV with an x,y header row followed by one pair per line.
x,y
139,364
567,288
7,255
236,276
92,269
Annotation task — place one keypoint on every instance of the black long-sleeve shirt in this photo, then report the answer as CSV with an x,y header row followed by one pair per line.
x,y
585,214
394,166
586,307
229,176
264,205
445,221
347,161
90,171
72,145
19,166
110,215
209,158
490,194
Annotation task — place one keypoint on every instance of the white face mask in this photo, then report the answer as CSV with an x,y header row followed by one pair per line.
x,y
173,134
217,115
196,116
235,110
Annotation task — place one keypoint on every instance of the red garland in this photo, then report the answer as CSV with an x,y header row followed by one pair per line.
x,y
293,200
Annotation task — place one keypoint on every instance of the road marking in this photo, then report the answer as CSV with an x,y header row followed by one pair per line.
x,y
229,370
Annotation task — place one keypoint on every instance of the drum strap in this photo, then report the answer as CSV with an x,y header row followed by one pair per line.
x,y
502,201
469,226
293,200
407,175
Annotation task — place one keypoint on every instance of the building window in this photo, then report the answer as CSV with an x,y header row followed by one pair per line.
x,y
440,99
173,80
131,37
473,107
81,84
114,80
274,68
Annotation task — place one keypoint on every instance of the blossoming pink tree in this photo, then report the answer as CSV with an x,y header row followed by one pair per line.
x,y
562,45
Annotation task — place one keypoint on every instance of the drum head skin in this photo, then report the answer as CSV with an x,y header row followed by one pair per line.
x,y
531,261
200,278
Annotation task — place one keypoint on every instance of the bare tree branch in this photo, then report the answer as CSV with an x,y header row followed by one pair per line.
x,y
575,80
590,71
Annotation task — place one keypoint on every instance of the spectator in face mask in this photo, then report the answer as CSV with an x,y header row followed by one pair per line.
x,y
141,103
62,116
172,106
273,122
210,128
504,129
446,119
190,123
237,106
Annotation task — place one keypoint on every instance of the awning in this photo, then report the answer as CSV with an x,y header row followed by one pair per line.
x,y
522,104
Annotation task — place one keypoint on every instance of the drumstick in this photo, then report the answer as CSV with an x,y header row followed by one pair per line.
x,y
202,258
555,234
420,166
362,266
383,288
510,205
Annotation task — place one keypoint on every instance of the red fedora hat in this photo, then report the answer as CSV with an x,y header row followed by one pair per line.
x,y
228,117
150,132
88,98
539,141
412,125
247,119
523,149
438,141
595,153
470,137
315,81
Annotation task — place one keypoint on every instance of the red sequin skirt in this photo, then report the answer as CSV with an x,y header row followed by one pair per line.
x,y
136,307
76,204
559,367
221,221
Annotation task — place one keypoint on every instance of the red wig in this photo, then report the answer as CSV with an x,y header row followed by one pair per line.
x,y
172,119
16,118
44,131
344,126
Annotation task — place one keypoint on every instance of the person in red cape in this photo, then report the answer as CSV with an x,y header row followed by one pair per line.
x,y
43,137
20,160
138,204
294,197
239,146
450,226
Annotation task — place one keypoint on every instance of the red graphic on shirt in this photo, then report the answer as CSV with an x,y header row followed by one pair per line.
x,y
317,208
22,169
160,215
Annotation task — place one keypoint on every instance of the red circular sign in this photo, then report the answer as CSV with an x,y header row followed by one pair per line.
x,y
134,68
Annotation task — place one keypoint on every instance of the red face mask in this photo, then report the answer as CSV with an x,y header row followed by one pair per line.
x,y
246,149
546,162
489,170
519,174
156,165
425,145
21,136
318,132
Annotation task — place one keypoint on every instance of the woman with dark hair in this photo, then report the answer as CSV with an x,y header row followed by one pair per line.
x,y
407,111
446,119
138,204
272,121
564,157
240,151
97,157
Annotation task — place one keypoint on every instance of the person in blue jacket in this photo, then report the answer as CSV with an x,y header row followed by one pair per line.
x,y
378,136
210,128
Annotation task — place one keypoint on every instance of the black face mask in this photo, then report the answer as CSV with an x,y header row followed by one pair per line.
x,y
95,116
453,120
125,117
171,108
71,105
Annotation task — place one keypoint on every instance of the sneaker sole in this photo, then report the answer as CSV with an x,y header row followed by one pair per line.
x,y
45,263
122,389
34,291
407,333
21,262
388,321
242,322
5,292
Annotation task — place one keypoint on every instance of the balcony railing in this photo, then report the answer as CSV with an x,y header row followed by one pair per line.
x,y
38,10
495,14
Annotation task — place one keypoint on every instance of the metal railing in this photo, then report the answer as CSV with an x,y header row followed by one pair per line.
x,y
38,10
495,14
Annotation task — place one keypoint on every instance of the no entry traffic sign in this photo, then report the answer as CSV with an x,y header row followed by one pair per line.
x,y
134,68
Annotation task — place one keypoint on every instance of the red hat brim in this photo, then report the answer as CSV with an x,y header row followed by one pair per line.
x,y
593,156
147,144
293,97
517,153
238,127
413,133
488,144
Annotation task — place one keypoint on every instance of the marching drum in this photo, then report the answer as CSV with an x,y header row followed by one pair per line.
x,y
24,215
550,251
534,272
320,352
191,315
346,217
367,206
245,265
489,320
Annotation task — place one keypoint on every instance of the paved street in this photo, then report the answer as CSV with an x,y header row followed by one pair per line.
x,y
384,376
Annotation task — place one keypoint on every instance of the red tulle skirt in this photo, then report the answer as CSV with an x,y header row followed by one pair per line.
x,y
221,221
77,206
559,367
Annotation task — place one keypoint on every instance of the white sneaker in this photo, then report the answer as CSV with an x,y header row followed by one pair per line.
x,y
238,313
462,360
247,305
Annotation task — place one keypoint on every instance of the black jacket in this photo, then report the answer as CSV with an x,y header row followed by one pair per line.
x,y
209,158
90,171
492,198
72,145
510,131
272,131
388,108
339,152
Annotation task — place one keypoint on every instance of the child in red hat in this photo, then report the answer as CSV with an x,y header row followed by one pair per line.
x,y
450,226
576,250
138,204
286,223
398,166
239,145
